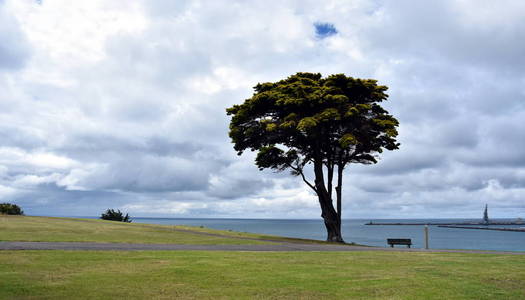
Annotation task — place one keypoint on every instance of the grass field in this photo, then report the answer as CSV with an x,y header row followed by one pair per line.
x,y
51,229
235,275
264,275
48,229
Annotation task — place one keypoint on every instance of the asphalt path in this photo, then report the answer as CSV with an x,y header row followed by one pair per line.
x,y
181,247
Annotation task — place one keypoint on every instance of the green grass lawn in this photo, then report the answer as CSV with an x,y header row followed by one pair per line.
x,y
49,229
235,275
264,275
52,229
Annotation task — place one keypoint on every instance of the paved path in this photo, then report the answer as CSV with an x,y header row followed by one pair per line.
x,y
271,247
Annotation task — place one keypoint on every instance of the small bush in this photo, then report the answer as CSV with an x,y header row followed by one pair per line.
x,y
113,215
10,209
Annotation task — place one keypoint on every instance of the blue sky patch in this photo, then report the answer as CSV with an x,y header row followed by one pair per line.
x,y
323,30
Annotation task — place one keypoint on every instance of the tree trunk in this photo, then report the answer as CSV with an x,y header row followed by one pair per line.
x,y
328,213
330,174
339,190
331,220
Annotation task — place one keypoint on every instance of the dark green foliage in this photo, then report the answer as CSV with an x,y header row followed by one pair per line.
x,y
337,116
113,215
10,209
306,119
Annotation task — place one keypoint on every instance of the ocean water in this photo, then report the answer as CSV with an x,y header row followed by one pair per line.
x,y
355,231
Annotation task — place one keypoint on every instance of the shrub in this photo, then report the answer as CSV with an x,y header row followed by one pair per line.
x,y
113,215
10,209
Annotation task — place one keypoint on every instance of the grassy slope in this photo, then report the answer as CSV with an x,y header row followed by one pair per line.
x,y
249,275
201,274
51,229
48,229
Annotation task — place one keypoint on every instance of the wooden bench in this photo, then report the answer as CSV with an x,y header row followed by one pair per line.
x,y
393,242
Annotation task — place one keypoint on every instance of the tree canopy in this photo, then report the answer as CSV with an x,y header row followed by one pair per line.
x,y
10,209
112,215
326,122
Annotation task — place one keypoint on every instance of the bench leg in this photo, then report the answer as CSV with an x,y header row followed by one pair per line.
x,y
408,246
392,245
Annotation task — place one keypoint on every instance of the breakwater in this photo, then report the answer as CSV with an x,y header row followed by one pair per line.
x,y
448,224
484,228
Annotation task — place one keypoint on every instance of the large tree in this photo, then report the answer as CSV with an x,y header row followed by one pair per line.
x,y
326,123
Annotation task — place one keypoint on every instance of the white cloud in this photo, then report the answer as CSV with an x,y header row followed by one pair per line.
x,y
14,49
164,207
75,34
34,160
112,103
34,180
6,192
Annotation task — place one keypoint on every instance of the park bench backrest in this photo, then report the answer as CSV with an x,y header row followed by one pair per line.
x,y
400,241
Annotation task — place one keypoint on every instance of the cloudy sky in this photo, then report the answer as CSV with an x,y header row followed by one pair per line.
x,y
121,104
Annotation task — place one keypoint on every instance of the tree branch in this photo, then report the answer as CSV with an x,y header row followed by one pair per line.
x,y
308,183
300,172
